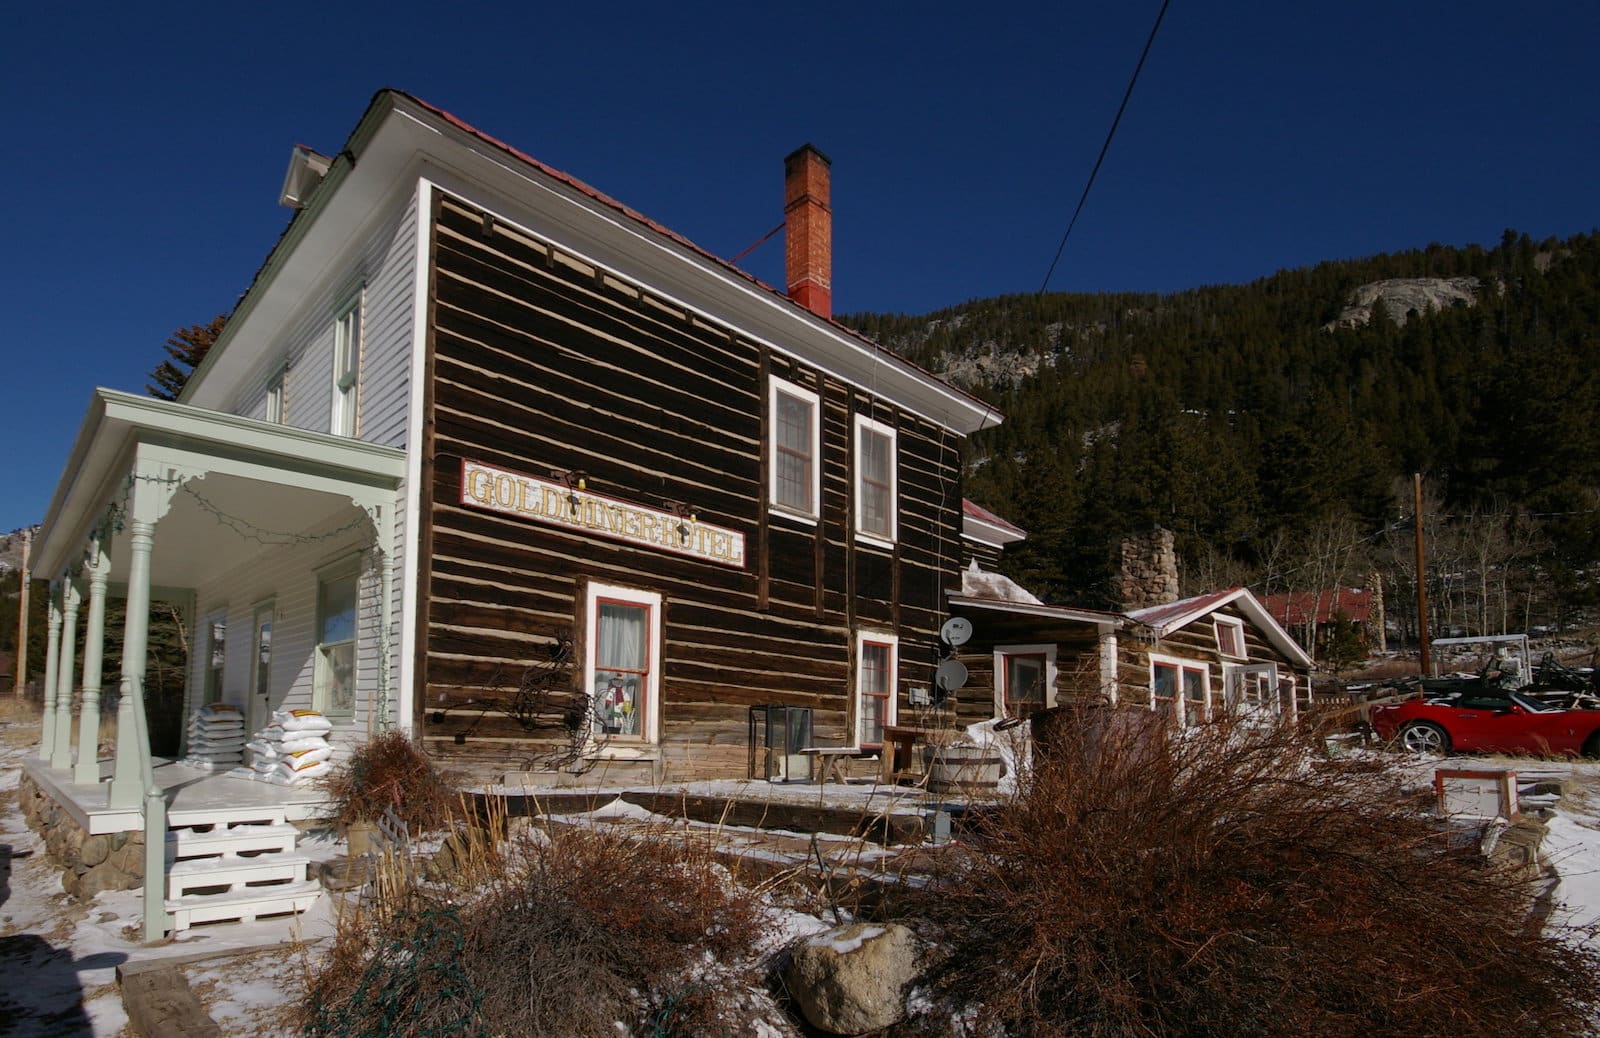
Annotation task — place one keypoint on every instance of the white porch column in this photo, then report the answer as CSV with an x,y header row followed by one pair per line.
x,y
52,656
61,748
1108,663
87,769
125,777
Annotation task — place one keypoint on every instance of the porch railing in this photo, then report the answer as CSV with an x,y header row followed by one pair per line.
x,y
157,921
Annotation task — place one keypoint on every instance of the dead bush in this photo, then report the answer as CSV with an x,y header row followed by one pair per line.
x,y
390,769
567,934
1217,883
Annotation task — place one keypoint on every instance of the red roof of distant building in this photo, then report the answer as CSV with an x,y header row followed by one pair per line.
x,y
1352,604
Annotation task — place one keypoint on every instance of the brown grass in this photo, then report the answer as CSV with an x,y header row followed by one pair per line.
x,y
556,934
390,770
1215,885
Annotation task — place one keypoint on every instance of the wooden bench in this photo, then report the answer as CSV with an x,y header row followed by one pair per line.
x,y
832,760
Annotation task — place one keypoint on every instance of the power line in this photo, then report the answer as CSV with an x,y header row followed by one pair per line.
x,y
1106,146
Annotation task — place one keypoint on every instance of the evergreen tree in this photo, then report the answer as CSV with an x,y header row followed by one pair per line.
x,y
186,348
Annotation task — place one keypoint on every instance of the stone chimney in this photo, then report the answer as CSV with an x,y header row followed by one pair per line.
x,y
1148,570
808,229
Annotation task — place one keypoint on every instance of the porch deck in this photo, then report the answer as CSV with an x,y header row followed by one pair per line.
x,y
187,789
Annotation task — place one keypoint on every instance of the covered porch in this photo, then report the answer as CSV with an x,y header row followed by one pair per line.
x,y
167,501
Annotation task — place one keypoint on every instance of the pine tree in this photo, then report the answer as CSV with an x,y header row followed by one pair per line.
x,y
186,348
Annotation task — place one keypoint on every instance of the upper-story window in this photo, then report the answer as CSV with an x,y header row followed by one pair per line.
x,y
346,367
1230,637
276,414
795,450
876,502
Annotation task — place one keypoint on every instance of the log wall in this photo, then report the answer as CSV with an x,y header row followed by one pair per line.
x,y
542,363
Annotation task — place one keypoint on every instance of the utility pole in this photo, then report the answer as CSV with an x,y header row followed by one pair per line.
x,y
22,621
1422,579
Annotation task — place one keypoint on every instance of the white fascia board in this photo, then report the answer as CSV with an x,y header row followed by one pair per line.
x,y
974,529
589,230
1252,607
1104,621
410,587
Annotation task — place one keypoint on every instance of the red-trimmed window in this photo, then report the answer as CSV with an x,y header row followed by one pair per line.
x,y
1179,689
875,681
621,669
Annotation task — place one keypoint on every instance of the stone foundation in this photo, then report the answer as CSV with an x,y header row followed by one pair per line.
x,y
89,864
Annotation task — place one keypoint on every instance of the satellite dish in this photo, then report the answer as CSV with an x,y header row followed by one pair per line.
x,y
955,632
951,675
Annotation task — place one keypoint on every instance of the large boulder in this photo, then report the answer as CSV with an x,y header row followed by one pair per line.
x,y
852,979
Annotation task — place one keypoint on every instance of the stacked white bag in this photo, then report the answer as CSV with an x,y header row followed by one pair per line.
x,y
216,737
293,749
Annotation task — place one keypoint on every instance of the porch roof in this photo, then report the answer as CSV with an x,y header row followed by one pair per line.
x,y
123,430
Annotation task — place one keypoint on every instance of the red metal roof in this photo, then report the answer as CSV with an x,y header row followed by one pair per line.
x,y
983,515
1161,616
1353,604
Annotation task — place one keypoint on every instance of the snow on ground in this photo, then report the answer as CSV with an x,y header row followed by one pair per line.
x,y
59,956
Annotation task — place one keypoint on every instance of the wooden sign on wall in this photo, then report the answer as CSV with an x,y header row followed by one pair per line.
x,y
557,504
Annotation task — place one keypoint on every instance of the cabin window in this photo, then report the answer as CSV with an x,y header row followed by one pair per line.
x,y
216,657
1025,678
1251,690
275,412
875,683
875,480
1230,637
622,669
335,679
1179,690
346,367
795,450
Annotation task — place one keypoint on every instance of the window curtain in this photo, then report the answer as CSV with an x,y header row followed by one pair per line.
x,y
619,669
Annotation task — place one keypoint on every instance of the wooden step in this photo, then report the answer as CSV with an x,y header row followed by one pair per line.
x,y
226,817
230,843
246,906
235,875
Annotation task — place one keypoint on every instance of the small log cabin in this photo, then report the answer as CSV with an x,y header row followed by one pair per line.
x,y
1191,660
487,455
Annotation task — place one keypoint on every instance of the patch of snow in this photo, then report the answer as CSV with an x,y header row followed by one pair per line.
x,y
841,944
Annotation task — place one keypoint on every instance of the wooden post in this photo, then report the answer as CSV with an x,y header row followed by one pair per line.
x,y
22,620
1422,579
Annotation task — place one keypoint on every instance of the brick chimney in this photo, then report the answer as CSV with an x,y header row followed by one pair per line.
x,y
808,229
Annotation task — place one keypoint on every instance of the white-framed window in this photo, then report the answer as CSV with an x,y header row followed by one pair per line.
x,y
275,412
346,368
622,668
1024,679
216,656
1230,637
338,605
877,672
1180,690
261,664
795,449
877,487
1251,690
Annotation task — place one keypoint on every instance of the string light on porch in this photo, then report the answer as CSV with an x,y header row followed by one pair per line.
x,y
268,538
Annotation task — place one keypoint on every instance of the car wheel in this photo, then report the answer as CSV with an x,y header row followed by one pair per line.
x,y
1424,737
1591,745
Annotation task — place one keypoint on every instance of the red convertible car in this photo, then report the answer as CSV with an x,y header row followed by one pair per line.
x,y
1488,721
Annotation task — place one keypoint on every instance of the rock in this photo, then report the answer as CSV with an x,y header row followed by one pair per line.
x,y
104,876
128,858
851,979
1399,297
95,849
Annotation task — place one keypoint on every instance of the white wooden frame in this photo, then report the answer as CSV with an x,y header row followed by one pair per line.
x,y
864,426
781,387
1181,705
864,636
1237,626
649,739
1045,649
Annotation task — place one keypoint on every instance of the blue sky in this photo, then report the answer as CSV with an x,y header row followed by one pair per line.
x,y
146,145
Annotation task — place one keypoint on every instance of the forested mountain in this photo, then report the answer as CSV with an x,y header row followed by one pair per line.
x,y
1268,424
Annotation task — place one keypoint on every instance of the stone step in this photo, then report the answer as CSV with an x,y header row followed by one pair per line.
x,y
236,875
230,843
245,906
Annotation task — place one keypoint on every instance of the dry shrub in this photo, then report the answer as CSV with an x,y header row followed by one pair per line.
x,y
1217,884
390,769
565,934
